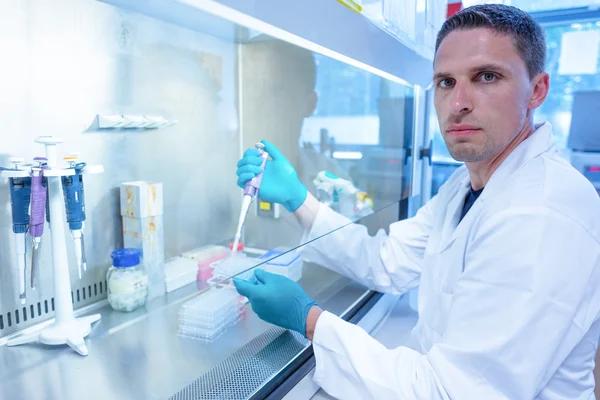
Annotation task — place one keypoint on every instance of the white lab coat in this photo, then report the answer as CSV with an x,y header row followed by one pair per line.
x,y
509,299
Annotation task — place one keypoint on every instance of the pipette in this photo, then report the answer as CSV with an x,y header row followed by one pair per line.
x,y
75,207
20,193
39,187
250,193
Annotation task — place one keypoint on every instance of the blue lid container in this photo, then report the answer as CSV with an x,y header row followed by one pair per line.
x,y
128,257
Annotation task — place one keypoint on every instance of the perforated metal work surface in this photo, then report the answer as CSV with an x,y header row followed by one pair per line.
x,y
242,374
129,352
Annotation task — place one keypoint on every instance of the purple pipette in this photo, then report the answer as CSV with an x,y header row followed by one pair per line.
x,y
253,185
250,192
38,212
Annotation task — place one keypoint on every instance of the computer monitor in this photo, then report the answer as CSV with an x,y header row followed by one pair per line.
x,y
584,134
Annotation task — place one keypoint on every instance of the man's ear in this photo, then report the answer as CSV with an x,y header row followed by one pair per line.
x,y
541,86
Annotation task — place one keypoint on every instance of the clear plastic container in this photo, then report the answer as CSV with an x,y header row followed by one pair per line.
x,y
208,334
127,280
207,316
240,266
210,307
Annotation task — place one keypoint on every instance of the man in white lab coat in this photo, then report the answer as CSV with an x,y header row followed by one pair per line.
x,y
506,256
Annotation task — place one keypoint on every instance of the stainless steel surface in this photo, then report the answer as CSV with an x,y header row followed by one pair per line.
x,y
242,374
139,355
74,59
71,60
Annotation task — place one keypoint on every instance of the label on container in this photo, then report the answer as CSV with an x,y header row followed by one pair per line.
x,y
128,284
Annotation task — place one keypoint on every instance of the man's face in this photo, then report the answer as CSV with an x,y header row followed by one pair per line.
x,y
482,93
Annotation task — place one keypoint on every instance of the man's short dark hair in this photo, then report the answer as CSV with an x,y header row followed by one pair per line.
x,y
527,34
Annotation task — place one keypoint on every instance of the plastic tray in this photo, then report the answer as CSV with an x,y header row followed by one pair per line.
x,y
240,266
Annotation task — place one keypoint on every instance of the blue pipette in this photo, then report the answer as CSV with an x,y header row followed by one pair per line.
x,y
75,208
20,195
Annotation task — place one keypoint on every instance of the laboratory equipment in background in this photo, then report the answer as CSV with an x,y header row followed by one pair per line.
x,y
342,196
204,257
588,163
288,264
142,214
364,205
46,183
207,254
127,280
39,187
208,316
180,271
75,208
250,193
381,173
240,266
20,198
209,81
584,135
267,209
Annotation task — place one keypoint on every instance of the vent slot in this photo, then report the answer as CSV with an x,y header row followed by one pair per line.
x,y
20,318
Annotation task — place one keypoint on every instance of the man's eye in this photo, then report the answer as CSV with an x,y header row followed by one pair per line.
x,y
444,83
488,77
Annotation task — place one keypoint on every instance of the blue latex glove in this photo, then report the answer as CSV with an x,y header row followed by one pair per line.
x,y
277,300
280,182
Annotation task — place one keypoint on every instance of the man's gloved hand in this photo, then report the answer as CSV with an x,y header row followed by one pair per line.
x,y
280,182
277,300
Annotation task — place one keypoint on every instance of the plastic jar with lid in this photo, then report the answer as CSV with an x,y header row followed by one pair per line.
x,y
127,280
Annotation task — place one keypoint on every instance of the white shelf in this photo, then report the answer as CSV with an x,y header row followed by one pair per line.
x,y
323,26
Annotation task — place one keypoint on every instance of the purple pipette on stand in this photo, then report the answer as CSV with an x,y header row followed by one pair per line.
x,y
38,212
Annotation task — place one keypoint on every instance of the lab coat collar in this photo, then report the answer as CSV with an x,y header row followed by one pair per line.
x,y
539,142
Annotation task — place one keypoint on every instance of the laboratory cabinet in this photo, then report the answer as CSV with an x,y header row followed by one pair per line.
x,y
150,105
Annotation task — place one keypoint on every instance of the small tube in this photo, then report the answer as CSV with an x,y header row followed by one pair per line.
x,y
35,259
77,238
21,265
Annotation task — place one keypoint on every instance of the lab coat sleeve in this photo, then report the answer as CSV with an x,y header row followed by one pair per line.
x,y
388,264
520,301
353,365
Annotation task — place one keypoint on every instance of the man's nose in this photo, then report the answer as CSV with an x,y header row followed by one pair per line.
x,y
461,99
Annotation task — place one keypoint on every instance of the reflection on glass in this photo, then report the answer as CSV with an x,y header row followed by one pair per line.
x,y
325,117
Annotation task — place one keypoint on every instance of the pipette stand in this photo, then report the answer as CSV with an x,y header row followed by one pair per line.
x,y
66,329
